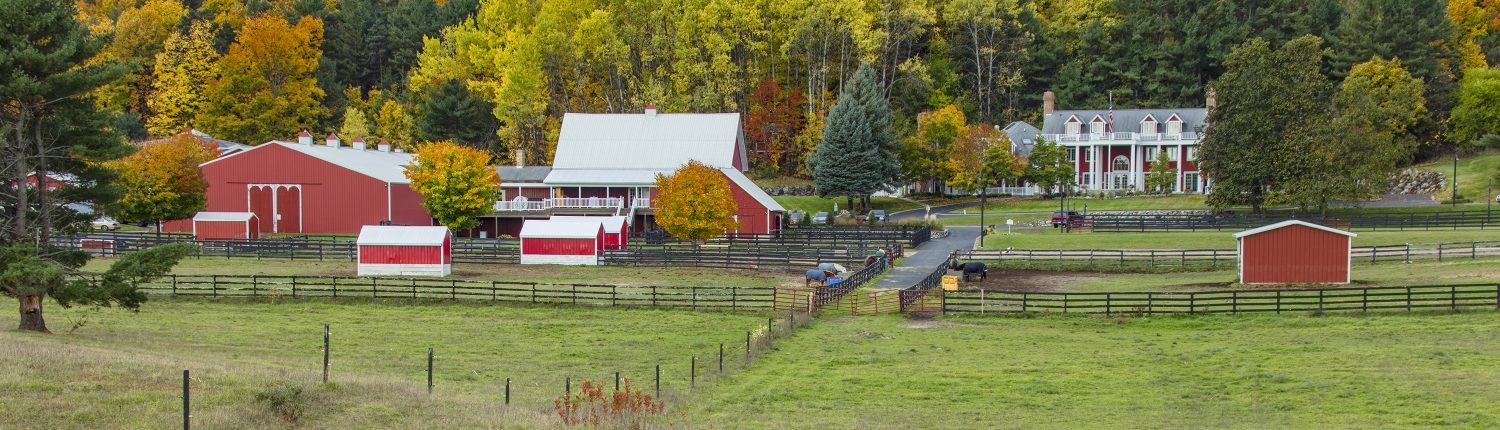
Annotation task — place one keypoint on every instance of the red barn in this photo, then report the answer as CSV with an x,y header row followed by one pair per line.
x,y
225,225
405,250
561,242
301,187
616,228
1294,252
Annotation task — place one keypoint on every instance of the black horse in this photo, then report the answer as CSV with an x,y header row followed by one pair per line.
x,y
971,268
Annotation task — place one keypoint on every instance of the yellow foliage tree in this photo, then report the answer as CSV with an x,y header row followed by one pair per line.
x,y
266,86
695,202
162,181
457,183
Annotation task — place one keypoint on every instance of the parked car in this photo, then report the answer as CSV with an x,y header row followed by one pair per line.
x,y
820,218
1062,218
105,223
878,215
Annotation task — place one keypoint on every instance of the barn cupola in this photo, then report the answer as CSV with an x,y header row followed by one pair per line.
x,y
333,140
359,143
304,138
651,111
383,146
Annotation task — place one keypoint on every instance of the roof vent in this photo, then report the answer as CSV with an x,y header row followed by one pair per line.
x,y
333,140
383,146
650,110
304,137
359,143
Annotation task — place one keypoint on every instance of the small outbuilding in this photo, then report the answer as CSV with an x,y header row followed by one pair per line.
x,y
562,242
405,250
225,226
1294,252
616,228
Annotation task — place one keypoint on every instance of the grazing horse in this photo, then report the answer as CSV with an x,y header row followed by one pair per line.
x,y
974,268
815,275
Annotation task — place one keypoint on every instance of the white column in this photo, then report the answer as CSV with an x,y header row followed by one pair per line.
x,y
1181,154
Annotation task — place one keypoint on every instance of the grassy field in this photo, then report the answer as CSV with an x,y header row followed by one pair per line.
x,y
123,369
1484,270
614,275
1056,372
1474,173
1050,238
814,204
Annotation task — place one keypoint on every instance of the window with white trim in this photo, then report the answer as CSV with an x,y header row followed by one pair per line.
x,y
1190,182
1148,127
1088,154
1192,153
1072,154
1073,128
1096,127
1172,153
1151,152
1088,178
1174,127
1121,163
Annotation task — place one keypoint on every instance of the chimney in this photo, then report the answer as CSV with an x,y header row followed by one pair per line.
x,y
359,143
1049,102
384,146
651,111
520,158
1213,99
333,140
304,138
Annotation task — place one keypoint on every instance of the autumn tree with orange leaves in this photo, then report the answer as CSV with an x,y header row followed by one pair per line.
x,y
457,183
266,86
161,181
695,203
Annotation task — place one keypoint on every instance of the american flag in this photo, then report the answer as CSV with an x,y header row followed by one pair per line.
x,y
1109,123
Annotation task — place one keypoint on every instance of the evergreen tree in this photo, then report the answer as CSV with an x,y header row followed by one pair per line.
x,y
858,154
452,112
1416,32
1267,98
182,70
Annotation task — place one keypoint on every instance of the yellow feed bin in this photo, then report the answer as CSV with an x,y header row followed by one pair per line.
x,y
950,283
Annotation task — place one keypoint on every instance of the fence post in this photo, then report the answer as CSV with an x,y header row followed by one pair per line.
x,y
493,290
187,403
1408,253
533,292
452,289
981,301
335,282
1408,299
747,346
658,380
294,287
1474,250
507,391
325,353
1364,300
214,285
174,284
429,371
721,357
693,372
1023,302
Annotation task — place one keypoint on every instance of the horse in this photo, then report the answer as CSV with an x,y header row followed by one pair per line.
x,y
815,275
974,268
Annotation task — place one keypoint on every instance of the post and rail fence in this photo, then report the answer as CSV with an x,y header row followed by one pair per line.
x,y
1214,259
1454,297
1452,220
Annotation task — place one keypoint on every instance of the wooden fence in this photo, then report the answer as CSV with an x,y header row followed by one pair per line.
x,y
910,234
692,297
1213,259
465,250
1392,221
1360,299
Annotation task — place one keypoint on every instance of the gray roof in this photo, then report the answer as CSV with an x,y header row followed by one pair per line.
x,y
510,174
661,141
1022,137
1126,120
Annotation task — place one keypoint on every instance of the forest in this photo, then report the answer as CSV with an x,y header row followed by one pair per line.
x,y
499,74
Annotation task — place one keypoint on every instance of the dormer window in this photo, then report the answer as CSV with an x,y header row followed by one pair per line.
x,y
1174,125
1096,126
1148,125
1073,126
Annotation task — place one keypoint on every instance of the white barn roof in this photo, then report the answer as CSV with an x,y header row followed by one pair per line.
x,y
612,224
402,235
557,229
657,141
1288,223
389,167
223,216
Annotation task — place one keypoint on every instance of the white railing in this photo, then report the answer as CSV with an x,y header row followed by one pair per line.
x,y
522,205
1139,137
640,202
570,202
587,202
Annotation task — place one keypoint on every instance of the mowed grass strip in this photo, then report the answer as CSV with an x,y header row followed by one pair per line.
x,y
123,369
1287,371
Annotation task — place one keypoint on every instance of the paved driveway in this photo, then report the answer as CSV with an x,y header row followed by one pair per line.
x,y
921,263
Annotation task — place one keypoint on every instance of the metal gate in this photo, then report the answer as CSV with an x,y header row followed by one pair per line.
x,y
925,300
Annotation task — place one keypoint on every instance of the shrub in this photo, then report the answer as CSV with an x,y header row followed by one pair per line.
x,y
590,406
287,399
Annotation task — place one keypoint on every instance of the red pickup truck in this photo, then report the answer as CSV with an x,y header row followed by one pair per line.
x,y
1063,218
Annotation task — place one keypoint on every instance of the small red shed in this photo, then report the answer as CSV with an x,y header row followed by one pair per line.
x,y
562,242
405,250
616,228
225,225
1294,252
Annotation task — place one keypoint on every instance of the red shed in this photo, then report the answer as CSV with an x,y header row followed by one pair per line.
x,y
562,242
303,187
616,228
405,250
225,225
1294,252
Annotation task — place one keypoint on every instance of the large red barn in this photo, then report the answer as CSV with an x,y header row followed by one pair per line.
x,y
302,187
1294,252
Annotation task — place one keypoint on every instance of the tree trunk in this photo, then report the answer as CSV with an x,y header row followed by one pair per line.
x,y
31,313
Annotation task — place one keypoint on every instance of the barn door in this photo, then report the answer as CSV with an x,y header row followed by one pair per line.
x,y
288,209
260,197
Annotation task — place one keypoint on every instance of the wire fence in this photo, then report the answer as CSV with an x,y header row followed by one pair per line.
x,y
1213,259
690,297
1450,220
1360,299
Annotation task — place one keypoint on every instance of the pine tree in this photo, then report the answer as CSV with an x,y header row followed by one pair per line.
x,y
1416,32
182,70
452,112
857,155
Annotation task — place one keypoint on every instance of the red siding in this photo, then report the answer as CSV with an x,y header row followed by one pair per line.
x,y
1294,254
753,215
333,199
210,230
548,246
385,254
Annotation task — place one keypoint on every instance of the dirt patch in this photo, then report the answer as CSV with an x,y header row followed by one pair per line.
x,y
1030,280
